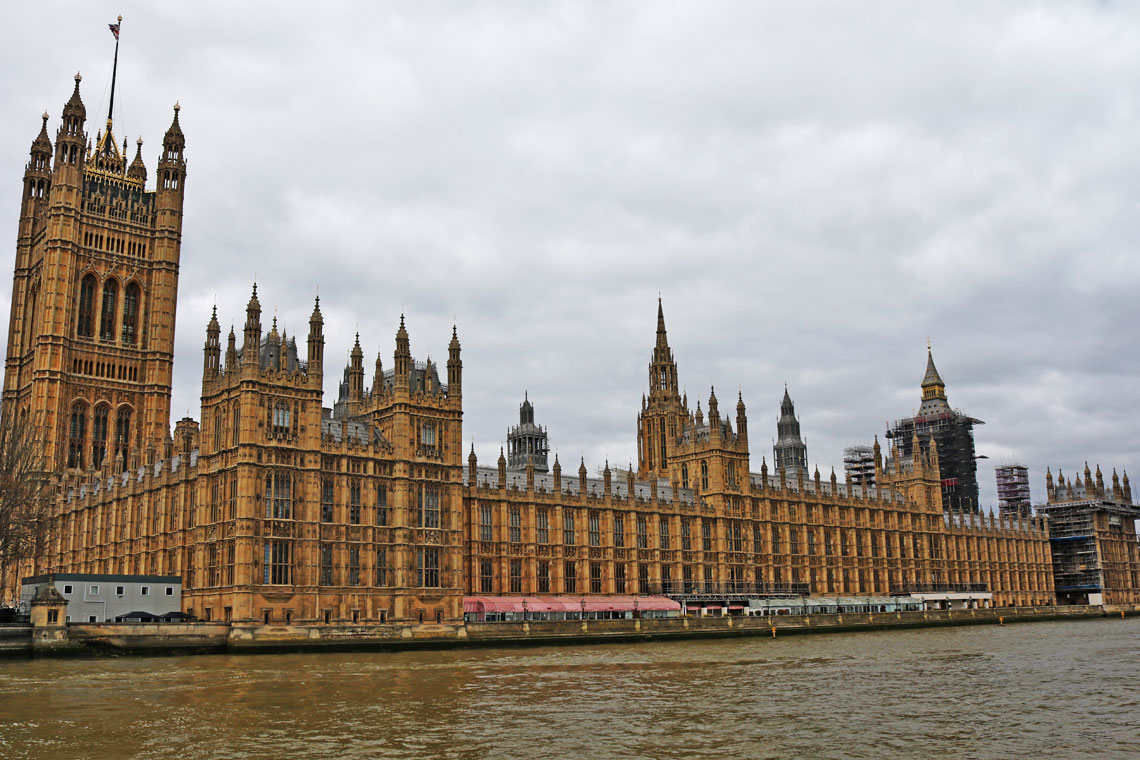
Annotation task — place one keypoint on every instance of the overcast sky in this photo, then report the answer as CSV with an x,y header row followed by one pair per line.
x,y
813,189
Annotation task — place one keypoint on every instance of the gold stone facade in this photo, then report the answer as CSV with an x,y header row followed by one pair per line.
x,y
275,509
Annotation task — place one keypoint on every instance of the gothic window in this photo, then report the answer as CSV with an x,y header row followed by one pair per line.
x,y
486,526
595,529
123,433
130,313
326,567
516,576
429,507
381,504
515,527
281,418
704,475
643,578
30,318
85,324
642,532
543,526
706,536
568,536
793,541
107,315
217,429
77,432
684,476
543,577
234,428
382,566
427,435
663,529
663,454
427,567
569,578
775,539
486,577
354,503
279,495
686,535
595,577
99,435
277,566
619,578
233,497
619,531
327,495
732,473
354,565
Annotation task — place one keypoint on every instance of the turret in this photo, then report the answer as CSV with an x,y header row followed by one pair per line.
x,y
316,347
1127,489
213,348
378,382
714,410
582,477
1050,489
37,173
71,138
557,471
454,367
231,351
741,419
356,372
472,460
172,164
1099,482
251,347
606,480
1117,493
137,169
402,358
502,469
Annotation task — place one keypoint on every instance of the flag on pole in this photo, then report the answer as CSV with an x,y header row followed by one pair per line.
x,y
114,30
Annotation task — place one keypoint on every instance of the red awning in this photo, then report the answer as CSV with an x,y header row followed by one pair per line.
x,y
569,604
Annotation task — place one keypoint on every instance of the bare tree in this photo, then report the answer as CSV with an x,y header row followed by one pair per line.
x,y
25,497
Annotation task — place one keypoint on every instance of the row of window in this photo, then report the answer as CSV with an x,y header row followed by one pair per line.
x,y
78,443
278,566
111,317
279,501
93,589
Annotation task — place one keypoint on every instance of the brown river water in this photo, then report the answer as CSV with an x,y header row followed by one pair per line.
x,y
1039,690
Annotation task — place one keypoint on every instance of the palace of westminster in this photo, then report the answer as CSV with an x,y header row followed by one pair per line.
x,y
276,509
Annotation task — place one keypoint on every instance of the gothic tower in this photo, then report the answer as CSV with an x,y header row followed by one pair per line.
x,y
527,443
91,335
789,451
663,414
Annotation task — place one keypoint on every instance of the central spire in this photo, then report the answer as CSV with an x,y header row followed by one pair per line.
x,y
662,338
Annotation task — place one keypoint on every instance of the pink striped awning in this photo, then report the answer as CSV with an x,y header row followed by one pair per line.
x,y
569,604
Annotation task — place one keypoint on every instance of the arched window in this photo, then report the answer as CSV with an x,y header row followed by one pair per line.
x,y
107,316
218,431
684,476
99,435
77,433
30,318
704,475
427,435
85,324
123,434
130,313
280,418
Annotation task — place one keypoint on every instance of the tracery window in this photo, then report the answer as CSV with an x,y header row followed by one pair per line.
x,y
85,324
281,418
123,433
77,432
130,313
107,316
427,567
276,566
429,507
279,495
99,435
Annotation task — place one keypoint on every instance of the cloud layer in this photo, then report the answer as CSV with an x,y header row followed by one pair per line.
x,y
813,190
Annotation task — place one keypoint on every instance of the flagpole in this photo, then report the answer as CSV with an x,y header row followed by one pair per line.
x,y
114,74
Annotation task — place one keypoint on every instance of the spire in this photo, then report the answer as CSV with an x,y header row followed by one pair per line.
x,y
378,384
356,372
137,170
454,366
231,350
933,389
316,341
402,357
662,338
251,347
213,348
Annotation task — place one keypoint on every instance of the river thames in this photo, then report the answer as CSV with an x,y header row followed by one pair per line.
x,y
1041,690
